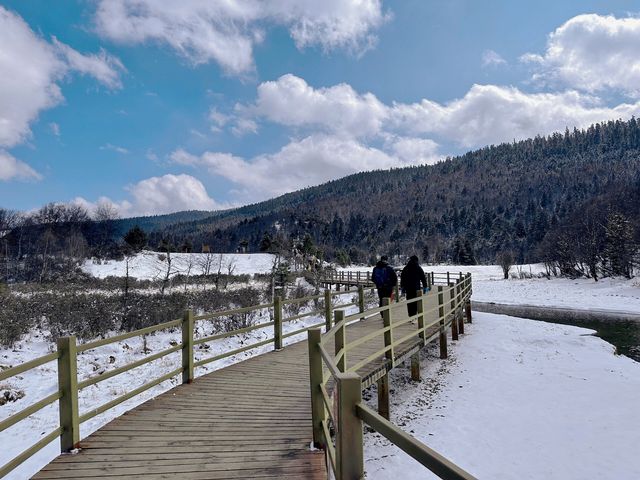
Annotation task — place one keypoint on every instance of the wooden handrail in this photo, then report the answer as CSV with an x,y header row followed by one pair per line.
x,y
446,313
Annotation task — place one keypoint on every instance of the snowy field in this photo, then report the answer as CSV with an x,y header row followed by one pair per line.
x,y
611,294
519,399
531,399
149,266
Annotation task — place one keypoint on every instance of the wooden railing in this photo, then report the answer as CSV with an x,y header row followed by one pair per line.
x,y
332,376
69,385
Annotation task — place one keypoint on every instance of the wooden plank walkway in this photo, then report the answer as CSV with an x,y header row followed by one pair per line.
x,y
248,420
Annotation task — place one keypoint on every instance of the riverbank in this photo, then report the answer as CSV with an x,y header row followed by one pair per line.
x,y
522,399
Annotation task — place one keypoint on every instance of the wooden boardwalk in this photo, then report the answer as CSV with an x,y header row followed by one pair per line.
x,y
248,420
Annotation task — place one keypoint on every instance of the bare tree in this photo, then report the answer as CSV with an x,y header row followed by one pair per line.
x,y
505,259
166,270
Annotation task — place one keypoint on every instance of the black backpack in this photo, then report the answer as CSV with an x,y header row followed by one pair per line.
x,y
380,276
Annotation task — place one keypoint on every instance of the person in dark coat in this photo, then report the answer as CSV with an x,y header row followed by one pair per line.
x,y
410,279
385,278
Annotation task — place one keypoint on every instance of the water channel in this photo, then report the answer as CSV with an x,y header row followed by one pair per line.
x,y
623,334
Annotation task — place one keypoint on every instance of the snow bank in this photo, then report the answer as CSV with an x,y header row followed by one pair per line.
x,y
148,266
519,399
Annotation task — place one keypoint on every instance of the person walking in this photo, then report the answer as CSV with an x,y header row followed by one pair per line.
x,y
385,278
410,278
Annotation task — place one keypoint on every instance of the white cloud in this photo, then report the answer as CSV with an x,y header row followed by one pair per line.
x,y
12,168
486,114
291,101
103,66
412,150
31,70
115,148
491,58
159,195
54,128
310,161
490,114
593,52
226,32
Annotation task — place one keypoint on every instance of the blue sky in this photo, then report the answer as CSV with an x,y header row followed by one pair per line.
x,y
162,106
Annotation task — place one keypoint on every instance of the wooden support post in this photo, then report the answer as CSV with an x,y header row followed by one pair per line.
x,y
327,310
361,300
358,277
453,312
443,331
68,385
340,340
420,305
349,442
337,287
383,396
388,335
318,413
468,311
415,367
187,347
429,282
459,315
433,278
277,323
448,278
397,292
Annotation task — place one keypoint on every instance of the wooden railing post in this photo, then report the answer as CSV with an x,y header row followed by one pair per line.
x,y
327,310
340,340
415,367
383,396
318,413
448,278
277,323
453,312
361,299
420,305
397,292
443,331
388,335
187,347
349,441
468,305
68,385
459,302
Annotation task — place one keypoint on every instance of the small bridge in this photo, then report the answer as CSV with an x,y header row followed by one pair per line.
x,y
257,418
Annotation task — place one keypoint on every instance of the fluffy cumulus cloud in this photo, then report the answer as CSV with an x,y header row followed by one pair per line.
x,y
490,114
592,53
301,163
226,32
158,195
31,70
486,114
291,101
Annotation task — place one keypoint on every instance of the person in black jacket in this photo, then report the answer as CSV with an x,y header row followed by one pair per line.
x,y
385,278
410,278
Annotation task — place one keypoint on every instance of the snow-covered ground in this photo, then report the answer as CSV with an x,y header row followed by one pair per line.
x,y
150,265
611,294
519,399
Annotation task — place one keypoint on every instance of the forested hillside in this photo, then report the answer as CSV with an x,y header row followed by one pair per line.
x,y
571,200
522,197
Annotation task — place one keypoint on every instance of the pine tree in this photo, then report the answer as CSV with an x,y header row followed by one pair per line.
x,y
619,247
